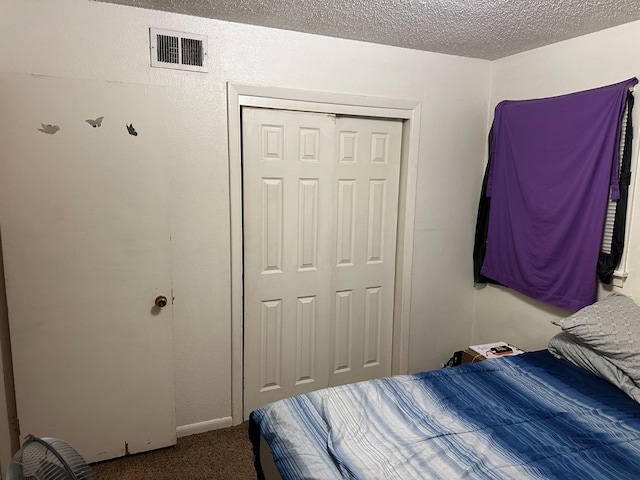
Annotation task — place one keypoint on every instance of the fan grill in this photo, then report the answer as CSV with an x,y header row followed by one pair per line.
x,y
48,459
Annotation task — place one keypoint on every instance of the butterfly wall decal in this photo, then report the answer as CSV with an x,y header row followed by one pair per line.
x,y
50,129
95,123
131,130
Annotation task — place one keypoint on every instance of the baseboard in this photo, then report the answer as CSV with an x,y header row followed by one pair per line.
x,y
201,427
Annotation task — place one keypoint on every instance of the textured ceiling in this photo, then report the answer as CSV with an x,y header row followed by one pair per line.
x,y
486,29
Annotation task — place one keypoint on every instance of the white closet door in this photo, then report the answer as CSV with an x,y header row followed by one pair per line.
x,y
287,178
365,205
320,212
85,232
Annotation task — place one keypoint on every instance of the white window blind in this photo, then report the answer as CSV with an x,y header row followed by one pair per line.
x,y
607,236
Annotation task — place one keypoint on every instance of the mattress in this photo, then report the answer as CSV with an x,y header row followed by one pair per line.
x,y
528,416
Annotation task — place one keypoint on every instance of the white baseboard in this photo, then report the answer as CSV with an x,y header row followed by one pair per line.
x,y
201,427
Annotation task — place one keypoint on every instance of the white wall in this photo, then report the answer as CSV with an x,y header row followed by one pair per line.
x,y
590,61
83,39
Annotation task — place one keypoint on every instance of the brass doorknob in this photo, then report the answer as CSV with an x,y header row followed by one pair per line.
x,y
161,301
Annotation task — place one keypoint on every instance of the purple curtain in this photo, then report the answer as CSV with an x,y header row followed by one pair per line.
x,y
554,165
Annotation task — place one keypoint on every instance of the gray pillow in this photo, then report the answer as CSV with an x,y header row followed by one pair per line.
x,y
566,346
611,328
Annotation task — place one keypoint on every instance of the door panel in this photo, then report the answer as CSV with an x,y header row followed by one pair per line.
x,y
320,206
366,173
287,165
85,232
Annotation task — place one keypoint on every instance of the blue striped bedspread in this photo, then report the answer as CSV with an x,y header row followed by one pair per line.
x,y
529,416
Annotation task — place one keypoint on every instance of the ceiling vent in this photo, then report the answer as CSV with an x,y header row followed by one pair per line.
x,y
181,51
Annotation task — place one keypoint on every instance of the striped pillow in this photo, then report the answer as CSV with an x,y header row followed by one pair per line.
x,y
611,327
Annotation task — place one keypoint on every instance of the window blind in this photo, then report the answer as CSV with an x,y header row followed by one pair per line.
x,y
607,236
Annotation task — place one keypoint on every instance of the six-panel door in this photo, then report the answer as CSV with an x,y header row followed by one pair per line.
x,y
320,200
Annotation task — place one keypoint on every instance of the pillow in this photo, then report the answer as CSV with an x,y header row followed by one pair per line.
x,y
566,346
611,327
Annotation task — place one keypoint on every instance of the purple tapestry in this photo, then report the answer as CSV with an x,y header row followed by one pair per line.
x,y
554,165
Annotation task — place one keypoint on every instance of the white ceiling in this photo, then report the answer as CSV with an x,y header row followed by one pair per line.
x,y
486,29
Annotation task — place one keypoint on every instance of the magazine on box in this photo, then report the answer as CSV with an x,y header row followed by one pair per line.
x,y
496,349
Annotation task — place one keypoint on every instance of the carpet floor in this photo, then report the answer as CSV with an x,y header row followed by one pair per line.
x,y
223,454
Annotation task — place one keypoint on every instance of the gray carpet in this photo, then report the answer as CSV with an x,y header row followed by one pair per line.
x,y
223,454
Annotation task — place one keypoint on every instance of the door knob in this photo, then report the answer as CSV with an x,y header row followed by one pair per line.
x,y
161,301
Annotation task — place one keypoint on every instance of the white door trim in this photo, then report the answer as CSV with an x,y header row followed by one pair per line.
x,y
239,95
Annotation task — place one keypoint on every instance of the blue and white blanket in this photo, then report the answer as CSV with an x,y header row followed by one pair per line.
x,y
525,417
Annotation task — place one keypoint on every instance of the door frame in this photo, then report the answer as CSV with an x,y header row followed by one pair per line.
x,y
242,95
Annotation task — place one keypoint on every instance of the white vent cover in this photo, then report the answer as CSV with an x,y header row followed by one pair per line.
x,y
182,51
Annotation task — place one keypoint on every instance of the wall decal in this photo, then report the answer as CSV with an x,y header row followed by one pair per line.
x,y
95,123
131,130
50,129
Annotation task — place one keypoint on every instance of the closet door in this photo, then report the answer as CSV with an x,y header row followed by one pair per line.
x,y
365,205
320,197
287,189
85,239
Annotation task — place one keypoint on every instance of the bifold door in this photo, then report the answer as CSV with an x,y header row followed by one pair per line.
x,y
320,201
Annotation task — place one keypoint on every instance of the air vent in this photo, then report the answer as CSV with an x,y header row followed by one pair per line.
x,y
181,51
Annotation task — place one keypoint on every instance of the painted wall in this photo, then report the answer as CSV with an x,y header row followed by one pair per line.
x,y
586,62
84,39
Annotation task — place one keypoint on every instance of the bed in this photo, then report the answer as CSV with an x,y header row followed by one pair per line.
x,y
542,415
